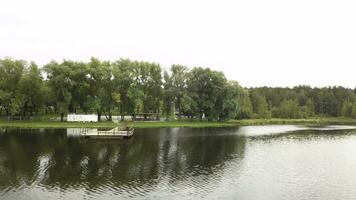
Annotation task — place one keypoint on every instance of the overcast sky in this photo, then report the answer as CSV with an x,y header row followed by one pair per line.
x,y
256,42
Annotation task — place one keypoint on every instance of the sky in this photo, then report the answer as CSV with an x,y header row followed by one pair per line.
x,y
255,42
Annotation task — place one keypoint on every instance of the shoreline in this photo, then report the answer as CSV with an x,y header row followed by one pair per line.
x,y
178,124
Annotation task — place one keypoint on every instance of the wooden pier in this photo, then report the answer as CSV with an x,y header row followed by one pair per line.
x,y
114,133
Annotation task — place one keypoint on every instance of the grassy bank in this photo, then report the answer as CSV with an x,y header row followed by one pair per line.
x,y
188,124
192,124
313,121
54,124
51,124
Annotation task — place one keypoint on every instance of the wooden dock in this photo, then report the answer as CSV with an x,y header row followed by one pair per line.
x,y
114,133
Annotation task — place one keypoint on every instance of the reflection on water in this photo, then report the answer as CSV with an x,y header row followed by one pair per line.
x,y
232,163
36,163
256,131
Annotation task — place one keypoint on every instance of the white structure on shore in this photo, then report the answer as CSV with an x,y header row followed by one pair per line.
x,y
82,118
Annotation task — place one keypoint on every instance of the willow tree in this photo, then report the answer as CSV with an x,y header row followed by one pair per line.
x,y
123,79
59,80
206,88
103,95
31,87
148,79
80,88
179,85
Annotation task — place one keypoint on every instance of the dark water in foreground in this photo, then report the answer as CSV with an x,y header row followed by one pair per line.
x,y
256,162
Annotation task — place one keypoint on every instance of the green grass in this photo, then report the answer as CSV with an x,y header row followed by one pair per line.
x,y
312,121
55,124
191,124
245,122
51,124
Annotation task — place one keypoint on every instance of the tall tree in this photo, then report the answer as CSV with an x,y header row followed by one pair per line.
x,y
228,102
31,87
124,79
60,82
149,81
80,88
103,90
245,105
260,105
287,109
179,85
11,72
168,96
206,88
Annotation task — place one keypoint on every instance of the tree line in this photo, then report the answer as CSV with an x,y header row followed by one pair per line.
x,y
124,87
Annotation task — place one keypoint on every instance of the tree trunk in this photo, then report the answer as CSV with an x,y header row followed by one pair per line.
x,y
179,114
179,108
122,112
110,116
159,111
62,117
99,116
25,108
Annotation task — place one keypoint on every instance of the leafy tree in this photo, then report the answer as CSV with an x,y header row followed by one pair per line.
x,y
259,105
179,85
80,89
124,78
206,88
31,89
229,101
11,72
60,82
136,97
189,106
346,110
353,114
49,97
148,79
168,95
16,104
103,95
308,109
136,86
287,109
245,109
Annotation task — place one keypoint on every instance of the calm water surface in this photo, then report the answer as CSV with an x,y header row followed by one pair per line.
x,y
253,162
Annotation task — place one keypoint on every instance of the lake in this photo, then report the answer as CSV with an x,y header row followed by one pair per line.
x,y
253,162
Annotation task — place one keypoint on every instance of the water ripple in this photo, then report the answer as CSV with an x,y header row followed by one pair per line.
x,y
167,166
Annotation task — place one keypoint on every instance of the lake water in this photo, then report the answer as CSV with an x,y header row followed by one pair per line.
x,y
252,162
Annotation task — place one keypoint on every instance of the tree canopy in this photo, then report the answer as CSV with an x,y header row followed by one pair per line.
x,y
125,86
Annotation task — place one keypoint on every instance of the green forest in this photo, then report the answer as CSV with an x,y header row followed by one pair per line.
x,y
124,87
